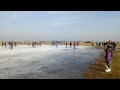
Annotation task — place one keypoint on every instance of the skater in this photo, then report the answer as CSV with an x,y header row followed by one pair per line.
x,y
92,44
74,44
40,44
77,44
52,43
70,44
99,44
2,44
12,45
35,44
66,44
56,45
5,44
9,43
32,44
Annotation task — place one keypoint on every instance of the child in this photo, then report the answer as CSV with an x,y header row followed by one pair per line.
x,y
107,59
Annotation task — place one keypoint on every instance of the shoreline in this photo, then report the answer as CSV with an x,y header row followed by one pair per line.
x,y
97,68
98,65
95,65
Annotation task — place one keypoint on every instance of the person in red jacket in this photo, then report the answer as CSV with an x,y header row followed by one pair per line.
x,y
74,44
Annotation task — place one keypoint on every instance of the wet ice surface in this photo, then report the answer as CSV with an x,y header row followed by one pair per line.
x,y
45,62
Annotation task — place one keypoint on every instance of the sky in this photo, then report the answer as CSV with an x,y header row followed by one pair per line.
x,y
59,25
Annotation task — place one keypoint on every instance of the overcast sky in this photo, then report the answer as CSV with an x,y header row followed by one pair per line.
x,y
59,25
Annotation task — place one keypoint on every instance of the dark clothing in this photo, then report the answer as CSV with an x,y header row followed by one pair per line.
x,y
66,44
70,44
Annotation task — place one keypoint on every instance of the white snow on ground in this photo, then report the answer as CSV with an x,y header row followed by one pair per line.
x,y
45,62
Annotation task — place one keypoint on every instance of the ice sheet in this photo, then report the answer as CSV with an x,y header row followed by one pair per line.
x,y
45,62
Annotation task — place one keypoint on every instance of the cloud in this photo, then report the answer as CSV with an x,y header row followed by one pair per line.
x,y
21,14
72,19
55,23
64,21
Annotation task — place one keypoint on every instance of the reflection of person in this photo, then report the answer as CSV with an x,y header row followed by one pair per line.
x,y
107,59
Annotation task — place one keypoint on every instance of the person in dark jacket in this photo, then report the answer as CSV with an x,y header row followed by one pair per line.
x,y
70,44
2,44
114,46
5,44
66,44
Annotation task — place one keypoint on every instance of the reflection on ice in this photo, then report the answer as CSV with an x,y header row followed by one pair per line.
x,y
49,62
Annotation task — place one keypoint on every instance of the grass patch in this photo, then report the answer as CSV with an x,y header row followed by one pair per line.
x,y
97,68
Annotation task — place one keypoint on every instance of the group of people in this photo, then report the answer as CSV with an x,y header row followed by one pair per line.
x,y
10,44
105,44
34,44
4,44
74,44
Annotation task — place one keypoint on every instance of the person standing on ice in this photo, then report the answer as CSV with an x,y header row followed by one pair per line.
x,y
32,44
40,44
56,44
12,45
77,44
74,44
66,44
15,44
5,44
2,44
92,44
9,43
70,44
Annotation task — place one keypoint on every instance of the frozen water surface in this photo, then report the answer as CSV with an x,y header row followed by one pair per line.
x,y
45,62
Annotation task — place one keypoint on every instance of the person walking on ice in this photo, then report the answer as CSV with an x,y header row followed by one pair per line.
x,y
74,44
12,45
2,44
5,44
66,44
70,44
